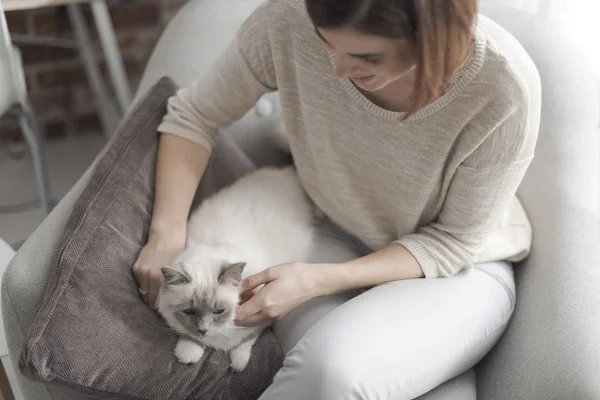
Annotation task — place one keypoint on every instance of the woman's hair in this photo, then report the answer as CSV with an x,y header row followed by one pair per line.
x,y
440,29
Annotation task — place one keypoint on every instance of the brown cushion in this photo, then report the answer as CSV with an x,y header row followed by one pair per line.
x,y
92,331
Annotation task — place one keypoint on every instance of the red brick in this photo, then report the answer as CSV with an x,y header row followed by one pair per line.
x,y
52,22
133,67
9,130
37,54
17,21
59,90
55,129
134,15
53,105
86,124
57,77
176,4
136,40
29,81
172,9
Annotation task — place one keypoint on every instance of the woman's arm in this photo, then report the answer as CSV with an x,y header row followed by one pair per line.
x,y
480,191
238,78
180,166
289,285
389,264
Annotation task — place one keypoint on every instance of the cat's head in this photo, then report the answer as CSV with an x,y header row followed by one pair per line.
x,y
199,297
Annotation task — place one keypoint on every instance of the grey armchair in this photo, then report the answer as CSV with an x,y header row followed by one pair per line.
x,y
551,348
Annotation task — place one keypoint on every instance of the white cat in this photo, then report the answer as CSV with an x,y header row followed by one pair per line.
x,y
262,220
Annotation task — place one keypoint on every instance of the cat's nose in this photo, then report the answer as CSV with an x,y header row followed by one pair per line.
x,y
202,331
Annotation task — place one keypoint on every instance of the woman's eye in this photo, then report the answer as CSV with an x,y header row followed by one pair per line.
x,y
219,311
189,311
373,61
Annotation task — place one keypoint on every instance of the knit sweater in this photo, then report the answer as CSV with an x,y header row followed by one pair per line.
x,y
439,182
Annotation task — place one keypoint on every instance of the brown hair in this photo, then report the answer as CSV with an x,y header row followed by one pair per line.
x,y
441,31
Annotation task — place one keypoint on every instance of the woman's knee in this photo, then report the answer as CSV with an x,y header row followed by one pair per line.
x,y
323,369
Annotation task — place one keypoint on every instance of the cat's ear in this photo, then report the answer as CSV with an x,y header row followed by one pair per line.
x,y
174,276
232,274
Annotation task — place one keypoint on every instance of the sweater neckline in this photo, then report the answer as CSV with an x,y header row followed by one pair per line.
x,y
462,77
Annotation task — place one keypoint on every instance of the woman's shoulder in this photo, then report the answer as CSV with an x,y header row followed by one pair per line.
x,y
280,15
508,71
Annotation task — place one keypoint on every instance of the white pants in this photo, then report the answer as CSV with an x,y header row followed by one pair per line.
x,y
393,342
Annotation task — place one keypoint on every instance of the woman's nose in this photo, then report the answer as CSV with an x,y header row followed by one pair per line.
x,y
343,67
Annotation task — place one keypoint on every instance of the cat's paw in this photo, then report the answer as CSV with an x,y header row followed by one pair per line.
x,y
188,352
239,358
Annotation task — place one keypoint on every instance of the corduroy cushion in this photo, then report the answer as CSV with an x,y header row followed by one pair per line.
x,y
92,331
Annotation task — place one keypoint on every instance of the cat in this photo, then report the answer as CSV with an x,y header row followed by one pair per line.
x,y
262,220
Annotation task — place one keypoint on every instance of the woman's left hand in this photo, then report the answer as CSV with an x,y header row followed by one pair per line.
x,y
286,287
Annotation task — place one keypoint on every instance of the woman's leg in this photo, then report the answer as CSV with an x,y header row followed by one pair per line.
x,y
331,246
395,341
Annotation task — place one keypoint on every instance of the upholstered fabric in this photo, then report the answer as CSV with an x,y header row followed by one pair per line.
x,y
92,331
551,349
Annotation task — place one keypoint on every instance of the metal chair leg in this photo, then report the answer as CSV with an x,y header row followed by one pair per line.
x,y
33,137
109,116
116,67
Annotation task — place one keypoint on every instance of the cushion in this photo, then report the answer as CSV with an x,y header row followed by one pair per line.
x,y
92,332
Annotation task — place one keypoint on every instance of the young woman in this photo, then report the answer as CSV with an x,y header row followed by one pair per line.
x,y
411,124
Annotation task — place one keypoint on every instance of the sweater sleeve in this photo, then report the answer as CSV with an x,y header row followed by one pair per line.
x,y
235,82
479,193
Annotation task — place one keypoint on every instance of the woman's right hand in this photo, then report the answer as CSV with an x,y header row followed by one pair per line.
x,y
159,252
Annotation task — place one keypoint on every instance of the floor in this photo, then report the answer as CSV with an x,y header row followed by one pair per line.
x,y
66,159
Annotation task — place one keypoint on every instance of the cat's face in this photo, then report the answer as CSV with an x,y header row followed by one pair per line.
x,y
200,300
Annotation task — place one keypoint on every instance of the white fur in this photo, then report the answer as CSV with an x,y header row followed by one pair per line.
x,y
188,352
264,219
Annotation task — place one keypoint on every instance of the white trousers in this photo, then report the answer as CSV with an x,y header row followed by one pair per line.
x,y
395,341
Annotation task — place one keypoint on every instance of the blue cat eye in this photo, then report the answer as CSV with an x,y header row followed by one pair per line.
x,y
189,311
219,311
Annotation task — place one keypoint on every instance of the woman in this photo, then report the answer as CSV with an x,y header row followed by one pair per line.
x,y
411,127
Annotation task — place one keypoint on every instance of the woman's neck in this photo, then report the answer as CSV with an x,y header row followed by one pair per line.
x,y
398,95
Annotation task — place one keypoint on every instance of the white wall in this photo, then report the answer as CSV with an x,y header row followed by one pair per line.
x,y
578,19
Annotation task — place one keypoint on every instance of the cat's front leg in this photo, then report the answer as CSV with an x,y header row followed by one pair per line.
x,y
188,352
240,355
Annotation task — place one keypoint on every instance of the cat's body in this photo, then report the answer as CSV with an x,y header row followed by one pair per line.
x,y
262,220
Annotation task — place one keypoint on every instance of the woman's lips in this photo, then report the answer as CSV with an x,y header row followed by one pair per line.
x,y
362,79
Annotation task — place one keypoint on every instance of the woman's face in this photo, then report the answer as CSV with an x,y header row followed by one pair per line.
x,y
370,62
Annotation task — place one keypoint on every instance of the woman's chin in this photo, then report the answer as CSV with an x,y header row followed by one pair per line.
x,y
370,84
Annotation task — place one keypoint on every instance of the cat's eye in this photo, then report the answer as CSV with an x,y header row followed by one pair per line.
x,y
219,311
189,311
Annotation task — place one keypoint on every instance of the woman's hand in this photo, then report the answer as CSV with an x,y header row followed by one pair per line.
x,y
160,251
286,287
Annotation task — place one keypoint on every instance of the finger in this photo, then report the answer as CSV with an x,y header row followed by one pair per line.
x,y
249,308
153,288
245,296
142,289
144,295
255,320
137,274
157,301
253,281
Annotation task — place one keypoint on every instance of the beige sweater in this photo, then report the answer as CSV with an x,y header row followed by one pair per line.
x,y
442,182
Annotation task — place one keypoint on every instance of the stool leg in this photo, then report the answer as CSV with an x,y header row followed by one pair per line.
x,y
34,140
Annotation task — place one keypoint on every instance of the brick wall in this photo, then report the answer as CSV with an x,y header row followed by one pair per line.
x,y
55,77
